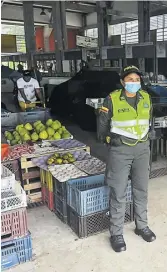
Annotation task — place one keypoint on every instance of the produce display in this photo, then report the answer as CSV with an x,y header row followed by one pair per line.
x,y
57,158
42,162
51,130
18,151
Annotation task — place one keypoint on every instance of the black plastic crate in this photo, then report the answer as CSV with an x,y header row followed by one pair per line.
x,y
60,188
60,208
85,226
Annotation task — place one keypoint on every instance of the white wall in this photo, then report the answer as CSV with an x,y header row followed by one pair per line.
x,y
73,19
91,19
16,13
126,6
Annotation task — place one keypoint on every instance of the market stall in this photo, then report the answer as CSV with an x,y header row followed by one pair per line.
x,y
53,168
16,246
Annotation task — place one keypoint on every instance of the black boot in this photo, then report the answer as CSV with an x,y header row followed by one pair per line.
x,y
118,243
146,234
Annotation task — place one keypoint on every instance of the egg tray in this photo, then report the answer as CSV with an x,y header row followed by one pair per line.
x,y
68,143
66,172
41,162
79,156
91,167
44,150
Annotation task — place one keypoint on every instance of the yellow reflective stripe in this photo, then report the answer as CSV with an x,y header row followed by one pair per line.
x,y
124,133
130,123
104,109
123,123
128,134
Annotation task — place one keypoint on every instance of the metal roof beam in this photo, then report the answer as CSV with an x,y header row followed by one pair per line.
x,y
122,14
79,7
74,7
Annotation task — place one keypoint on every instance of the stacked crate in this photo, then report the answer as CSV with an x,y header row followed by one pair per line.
x,y
60,199
15,237
54,194
31,179
47,189
88,205
83,203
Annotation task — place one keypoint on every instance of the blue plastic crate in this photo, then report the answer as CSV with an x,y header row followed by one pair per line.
x,y
16,251
89,195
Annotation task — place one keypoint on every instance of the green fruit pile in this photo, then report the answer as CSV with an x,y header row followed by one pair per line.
x,y
52,130
61,159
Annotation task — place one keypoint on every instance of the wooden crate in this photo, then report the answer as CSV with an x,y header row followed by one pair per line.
x,y
31,180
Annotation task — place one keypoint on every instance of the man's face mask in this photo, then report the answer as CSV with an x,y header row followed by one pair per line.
x,y
132,87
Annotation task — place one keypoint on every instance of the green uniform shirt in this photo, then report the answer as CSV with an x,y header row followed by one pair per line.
x,y
106,114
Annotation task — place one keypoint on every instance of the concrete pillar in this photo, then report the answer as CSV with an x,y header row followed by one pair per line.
x,y
143,27
102,23
60,31
63,24
28,14
47,32
144,21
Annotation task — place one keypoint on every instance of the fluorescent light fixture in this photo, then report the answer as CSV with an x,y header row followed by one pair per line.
x,y
21,23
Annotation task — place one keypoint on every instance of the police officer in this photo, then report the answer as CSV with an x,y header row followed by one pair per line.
x,y
124,121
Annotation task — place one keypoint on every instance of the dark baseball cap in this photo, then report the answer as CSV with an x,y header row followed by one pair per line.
x,y
129,70
27,73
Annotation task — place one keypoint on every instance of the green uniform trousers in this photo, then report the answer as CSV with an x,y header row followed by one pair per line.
x,y
125,161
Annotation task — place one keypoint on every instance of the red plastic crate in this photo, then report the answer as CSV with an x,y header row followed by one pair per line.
x,y
43,190
50,201
13,224
47,198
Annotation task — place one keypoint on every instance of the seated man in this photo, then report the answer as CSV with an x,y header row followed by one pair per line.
x,y
28,88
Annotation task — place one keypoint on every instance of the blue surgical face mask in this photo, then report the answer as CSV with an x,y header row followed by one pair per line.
x,y
132,87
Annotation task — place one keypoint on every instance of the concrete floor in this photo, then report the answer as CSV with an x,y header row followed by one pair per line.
x,y
57,249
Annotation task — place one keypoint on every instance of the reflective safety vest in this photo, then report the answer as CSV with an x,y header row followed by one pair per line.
x,y
127,121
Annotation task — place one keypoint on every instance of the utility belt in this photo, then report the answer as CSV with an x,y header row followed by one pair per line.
x,y
117,140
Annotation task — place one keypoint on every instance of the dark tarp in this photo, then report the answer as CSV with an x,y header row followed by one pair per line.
x,y
69,98
5,71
